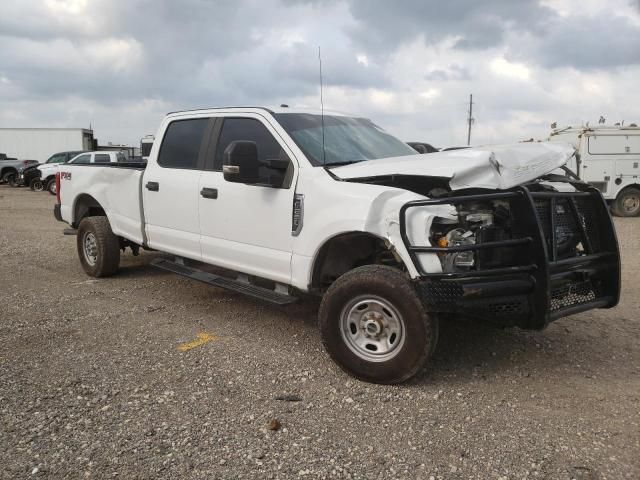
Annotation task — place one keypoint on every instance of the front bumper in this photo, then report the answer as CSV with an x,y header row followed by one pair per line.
x,y
540,284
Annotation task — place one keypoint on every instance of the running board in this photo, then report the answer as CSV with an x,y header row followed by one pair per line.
x,y
224,282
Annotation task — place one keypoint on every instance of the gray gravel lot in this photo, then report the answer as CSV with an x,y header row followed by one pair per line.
x,y
93,384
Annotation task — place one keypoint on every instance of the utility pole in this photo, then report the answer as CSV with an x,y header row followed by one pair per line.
x,y
470,119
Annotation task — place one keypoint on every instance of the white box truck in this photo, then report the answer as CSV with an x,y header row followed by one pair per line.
x,y
608,158
40,143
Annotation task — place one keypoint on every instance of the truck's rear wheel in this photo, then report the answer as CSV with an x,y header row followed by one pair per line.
x,y
51,186
98,247
374,325
627,203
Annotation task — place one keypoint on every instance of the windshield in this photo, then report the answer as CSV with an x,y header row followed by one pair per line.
x,y
346,139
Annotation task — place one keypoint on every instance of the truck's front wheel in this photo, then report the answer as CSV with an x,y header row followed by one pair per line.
x,y
374,325
98,247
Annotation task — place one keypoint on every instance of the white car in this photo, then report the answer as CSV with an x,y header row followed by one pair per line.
x,y
49,169
302,202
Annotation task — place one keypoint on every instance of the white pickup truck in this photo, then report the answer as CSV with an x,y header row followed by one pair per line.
x,y
293,202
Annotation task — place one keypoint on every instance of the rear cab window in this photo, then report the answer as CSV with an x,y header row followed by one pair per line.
x,y
182,143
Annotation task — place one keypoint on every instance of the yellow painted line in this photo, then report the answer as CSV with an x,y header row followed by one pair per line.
x,y
203,338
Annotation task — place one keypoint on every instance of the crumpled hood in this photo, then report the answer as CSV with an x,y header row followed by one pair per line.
x,y
493,166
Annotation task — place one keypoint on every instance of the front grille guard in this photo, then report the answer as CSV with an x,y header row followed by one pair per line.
x,y
558,285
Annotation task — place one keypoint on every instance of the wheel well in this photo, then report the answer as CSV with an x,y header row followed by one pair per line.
x,y
86,206
627,187
7,170
347,251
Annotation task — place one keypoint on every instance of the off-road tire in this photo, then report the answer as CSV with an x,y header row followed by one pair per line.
x,y
627,195
395,287
36,185
108,247
51,186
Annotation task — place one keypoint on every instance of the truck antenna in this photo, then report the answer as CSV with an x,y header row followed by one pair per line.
x,y
324,155
470,119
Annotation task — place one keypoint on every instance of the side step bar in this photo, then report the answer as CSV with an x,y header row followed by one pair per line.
x,y
223,282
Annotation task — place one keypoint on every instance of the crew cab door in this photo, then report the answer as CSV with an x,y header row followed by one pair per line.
x,y
247,227
170,189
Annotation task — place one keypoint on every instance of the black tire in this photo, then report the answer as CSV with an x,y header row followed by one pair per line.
x,y
12,180
106,260
627,203
51,186
377,282
36,185
6,177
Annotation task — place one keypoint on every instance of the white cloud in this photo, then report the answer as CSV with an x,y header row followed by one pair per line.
x,y
362,59
502,67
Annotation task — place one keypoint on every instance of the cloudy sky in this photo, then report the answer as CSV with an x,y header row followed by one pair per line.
x,y
409,65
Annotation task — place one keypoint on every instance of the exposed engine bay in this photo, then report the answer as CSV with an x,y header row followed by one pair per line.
x,y
482,222
475,223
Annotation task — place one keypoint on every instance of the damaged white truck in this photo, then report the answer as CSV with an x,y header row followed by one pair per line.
x,y
292,202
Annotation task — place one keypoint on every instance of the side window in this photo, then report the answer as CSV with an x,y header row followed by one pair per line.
x,y
102,158
181,143
82,159
247,129
121,158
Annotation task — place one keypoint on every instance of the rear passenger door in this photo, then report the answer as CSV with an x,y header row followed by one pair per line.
x,y
170,189
247,227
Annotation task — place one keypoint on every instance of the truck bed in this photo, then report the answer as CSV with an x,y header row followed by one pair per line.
x,y
117,186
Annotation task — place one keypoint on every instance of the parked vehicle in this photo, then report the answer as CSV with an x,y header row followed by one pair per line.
x,y
607,158
30,176
10,167
296,202
48,170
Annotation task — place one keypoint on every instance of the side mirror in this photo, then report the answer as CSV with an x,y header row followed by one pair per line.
x,y
240,162
241,165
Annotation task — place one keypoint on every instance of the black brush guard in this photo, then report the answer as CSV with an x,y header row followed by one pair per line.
x,y
540,282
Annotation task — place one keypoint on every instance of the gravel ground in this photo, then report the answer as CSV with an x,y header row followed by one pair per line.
x,y
94,384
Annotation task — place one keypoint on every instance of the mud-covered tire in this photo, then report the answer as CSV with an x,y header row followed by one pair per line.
x,y
627,203
98,247
36,185
384,295
51,186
